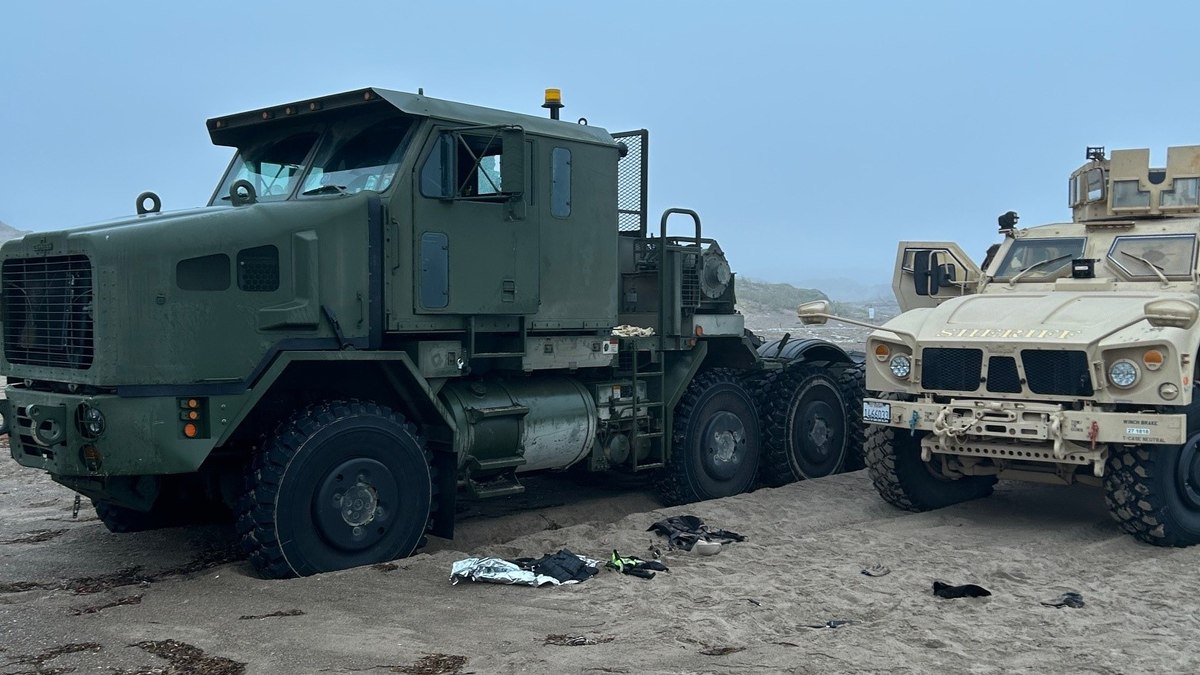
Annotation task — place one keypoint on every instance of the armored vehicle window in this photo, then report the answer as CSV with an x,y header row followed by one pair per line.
x,y
1184,192
357,159
1044,258
272,166
560,183
1128,195
1088,187
1172,255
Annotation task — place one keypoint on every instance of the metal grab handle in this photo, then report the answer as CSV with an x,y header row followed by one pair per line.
x,y
687,212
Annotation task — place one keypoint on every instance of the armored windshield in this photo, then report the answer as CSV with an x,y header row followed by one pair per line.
x,y
343,156
1043,258
1170,255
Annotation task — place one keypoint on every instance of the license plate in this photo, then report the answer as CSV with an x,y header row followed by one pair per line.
x,y
877,411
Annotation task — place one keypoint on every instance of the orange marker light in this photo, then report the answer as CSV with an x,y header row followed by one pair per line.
x,y
882,352
190,430
193,403
1153,359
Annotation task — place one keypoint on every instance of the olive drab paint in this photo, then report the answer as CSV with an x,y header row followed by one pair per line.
x,y
461,266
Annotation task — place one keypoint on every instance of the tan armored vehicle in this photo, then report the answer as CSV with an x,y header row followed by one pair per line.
x,y
1071,357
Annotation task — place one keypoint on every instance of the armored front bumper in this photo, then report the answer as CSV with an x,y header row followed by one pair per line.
x,y
141,436
1024,431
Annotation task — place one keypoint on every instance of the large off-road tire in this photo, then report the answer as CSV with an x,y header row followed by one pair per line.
x,y
1153,491
853,383
339,484
807,430
716,441
904,481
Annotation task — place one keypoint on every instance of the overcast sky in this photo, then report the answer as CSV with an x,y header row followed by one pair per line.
x,y
810,136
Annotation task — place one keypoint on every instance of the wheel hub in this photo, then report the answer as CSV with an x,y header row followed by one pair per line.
x,y
724,444
351,507
358,504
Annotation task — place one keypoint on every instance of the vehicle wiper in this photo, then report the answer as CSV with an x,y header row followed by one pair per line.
x,y
325,189
1153,268
1036,265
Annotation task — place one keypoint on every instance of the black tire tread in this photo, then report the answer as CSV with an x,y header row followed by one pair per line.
x,y
882,467
853,383
255,510
674,486
778,390
1133,500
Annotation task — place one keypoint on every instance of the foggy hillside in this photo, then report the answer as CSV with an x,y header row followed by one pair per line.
x,y
9,232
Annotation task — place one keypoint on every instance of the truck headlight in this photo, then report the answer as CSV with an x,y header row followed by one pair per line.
x,y
1123,373
901,366
90,421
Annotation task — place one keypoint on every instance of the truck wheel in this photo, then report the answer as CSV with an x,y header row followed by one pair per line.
x,y
715,449
340,484
1153,492
904,481
805,426
853,383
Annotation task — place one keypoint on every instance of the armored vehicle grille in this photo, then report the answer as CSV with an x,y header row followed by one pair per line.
x,y
951,369
47,309
1002,375
1057,373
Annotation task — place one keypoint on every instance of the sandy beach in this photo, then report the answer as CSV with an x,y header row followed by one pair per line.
x,y
74,598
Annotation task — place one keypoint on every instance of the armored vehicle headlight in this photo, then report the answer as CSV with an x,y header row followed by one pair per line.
x,y
1152,359
1123,373
90,421
901,366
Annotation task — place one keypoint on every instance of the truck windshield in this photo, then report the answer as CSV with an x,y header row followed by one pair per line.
x,y
345,156
1044,258
272,166
359,157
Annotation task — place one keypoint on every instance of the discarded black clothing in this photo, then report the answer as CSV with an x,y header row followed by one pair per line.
x,y
637,567
564,566
1068,599
945,590
684,531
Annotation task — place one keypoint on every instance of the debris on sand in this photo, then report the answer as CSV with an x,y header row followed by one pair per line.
x,y
1069,599
282,612
434,664
945,590
119,602
40,659
185,658
564,640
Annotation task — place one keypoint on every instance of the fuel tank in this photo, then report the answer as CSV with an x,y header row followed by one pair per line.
x,y
549,422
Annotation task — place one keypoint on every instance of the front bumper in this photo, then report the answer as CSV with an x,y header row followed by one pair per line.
x,y
1024,431
142,436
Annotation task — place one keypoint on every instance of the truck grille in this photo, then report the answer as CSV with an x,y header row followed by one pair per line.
x,y
47,310
950,369
1002,375
1057,373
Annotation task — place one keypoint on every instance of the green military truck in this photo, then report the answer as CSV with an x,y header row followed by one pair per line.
x,y
391,300
1071,357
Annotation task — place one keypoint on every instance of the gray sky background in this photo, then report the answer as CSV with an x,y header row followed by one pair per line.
x,y
811,136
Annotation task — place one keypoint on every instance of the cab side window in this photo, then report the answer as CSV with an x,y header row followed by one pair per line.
x,y
463,166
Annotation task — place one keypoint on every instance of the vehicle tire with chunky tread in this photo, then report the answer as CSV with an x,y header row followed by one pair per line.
x,y
1153,492
893,458
853,383
339,484
716,441
807,431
